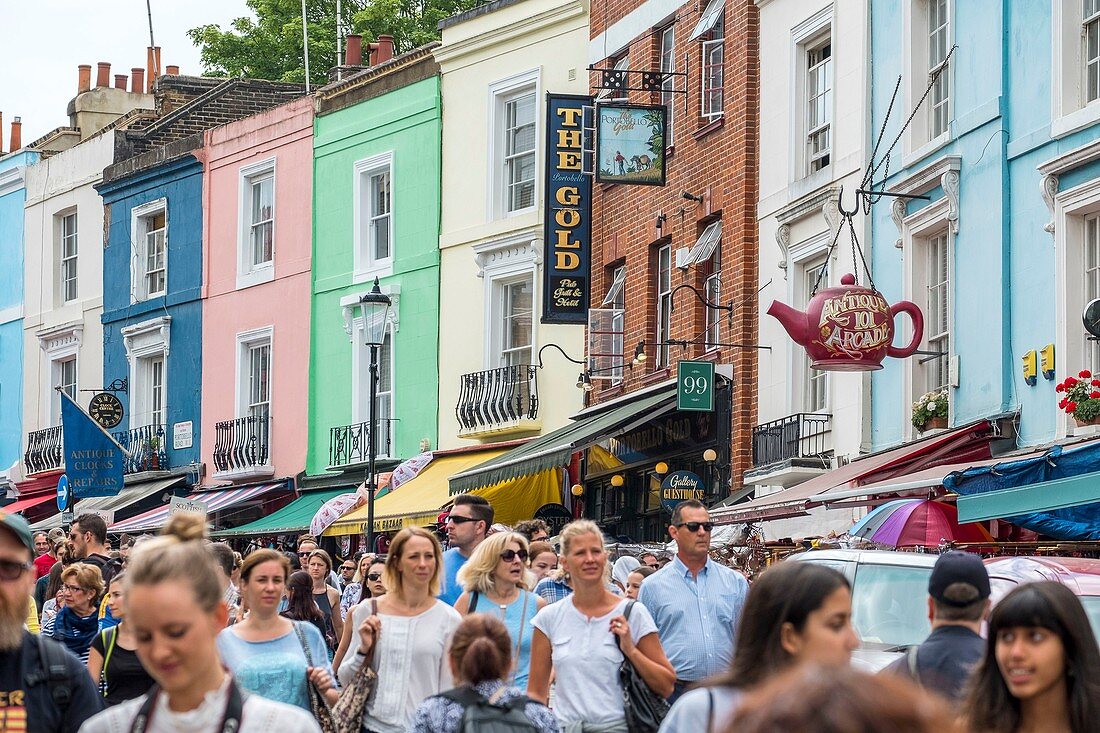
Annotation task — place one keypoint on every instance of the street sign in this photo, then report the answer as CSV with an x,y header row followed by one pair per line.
x,y
106,409
180,504
695,386
64,494
182,435
680,486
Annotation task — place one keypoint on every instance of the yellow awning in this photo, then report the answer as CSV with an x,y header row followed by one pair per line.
x,y
417,502
519,498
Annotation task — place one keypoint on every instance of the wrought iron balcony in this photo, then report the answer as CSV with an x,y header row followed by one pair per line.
x,y
498,400
146,448
349,445
243,444
803,435
44,450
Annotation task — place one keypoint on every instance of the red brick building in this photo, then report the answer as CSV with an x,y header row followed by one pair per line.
x,y
697,230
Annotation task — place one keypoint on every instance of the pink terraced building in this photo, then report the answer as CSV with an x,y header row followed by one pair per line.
x,y
257,234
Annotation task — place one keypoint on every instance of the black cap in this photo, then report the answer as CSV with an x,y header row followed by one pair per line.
x,y
958,567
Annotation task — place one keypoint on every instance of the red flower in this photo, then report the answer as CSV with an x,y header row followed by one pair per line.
x,y
1062,404
1071,407
1095,383
1070,381
1084,374
1094,395
1060,388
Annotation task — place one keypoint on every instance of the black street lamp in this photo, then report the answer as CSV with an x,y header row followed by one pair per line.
x,y
374,310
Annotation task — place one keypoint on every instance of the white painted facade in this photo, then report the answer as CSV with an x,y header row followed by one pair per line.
x,y
55,330
489,60
804,43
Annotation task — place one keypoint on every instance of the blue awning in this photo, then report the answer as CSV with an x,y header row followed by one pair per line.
x,y
1056,494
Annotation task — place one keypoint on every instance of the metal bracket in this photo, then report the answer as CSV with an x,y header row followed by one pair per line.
x,y
616,80
119,385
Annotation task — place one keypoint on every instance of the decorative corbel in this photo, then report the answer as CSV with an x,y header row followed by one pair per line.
x,y
783,239
950,183
899,209
348,321
479,260
1048,187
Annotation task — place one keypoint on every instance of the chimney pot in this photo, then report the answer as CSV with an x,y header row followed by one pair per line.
x,y
172,70
103,75
120,81
16,134
84,78
137,80
353,51
385,48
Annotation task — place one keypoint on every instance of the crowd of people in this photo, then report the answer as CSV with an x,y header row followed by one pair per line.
x,y
504,628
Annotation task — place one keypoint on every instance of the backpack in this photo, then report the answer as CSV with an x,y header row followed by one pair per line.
x,y
486,715
54,672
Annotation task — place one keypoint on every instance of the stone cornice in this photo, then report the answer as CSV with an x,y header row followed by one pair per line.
x,y
496,37
12,180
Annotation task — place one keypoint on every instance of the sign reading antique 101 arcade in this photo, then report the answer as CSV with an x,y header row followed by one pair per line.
x,y
567,236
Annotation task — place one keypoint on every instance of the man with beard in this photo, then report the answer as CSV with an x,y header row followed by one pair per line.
x,y
43,687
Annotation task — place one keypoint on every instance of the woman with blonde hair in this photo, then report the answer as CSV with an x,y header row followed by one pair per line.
x,y
77,622
176,605
496,581
585,637
404,635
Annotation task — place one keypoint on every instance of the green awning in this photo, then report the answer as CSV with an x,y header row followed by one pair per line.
x,y
554,449
294,517
1043,497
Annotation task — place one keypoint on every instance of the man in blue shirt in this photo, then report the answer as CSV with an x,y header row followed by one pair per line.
x,y
467,525
695,602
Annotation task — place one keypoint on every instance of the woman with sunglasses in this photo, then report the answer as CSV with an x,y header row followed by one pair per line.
x,y
175,603
353,592
495,580
77,623
374,587
1040,668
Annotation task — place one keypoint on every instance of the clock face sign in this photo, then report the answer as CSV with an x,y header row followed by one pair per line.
x,y
106,409
1091,318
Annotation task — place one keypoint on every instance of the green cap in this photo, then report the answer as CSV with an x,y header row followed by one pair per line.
x,y
19,528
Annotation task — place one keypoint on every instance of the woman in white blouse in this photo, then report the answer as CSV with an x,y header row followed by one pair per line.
x,y
404,634
584,638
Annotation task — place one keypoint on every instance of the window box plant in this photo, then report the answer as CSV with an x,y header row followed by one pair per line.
x,y
930,411
1081,398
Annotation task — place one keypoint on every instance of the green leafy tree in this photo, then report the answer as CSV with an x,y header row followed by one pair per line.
x,y
269,46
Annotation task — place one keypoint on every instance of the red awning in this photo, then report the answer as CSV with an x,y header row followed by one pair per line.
x,y
45,483
18,506
969,443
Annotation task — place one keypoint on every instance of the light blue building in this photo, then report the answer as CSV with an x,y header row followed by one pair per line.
x,y
1006,253
12,196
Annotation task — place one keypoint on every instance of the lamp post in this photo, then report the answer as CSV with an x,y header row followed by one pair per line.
x,y
374,310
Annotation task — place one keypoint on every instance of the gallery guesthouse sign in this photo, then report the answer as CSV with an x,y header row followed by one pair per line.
x,y
567,235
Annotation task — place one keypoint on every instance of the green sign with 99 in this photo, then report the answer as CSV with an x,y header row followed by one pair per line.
x,y
695,386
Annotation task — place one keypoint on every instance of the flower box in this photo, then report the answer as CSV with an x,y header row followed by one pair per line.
x,y
1081,399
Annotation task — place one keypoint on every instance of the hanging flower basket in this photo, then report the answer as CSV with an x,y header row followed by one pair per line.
x,y
930,411
1081,398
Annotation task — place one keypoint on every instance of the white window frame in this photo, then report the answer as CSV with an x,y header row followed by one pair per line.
x,y
68,264
250,272
139,215
668,83
709,43
819,67
662,323
245,341
918,138
712,291
1090,286
510,258
813,380
58,344
810,33
500,92
499,312
367,267
618,62
918,230
615,301
1071,109
145,341
57,366
360,370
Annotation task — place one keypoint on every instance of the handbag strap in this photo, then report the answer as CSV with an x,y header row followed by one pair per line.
x,y
519,636
626,615
302,640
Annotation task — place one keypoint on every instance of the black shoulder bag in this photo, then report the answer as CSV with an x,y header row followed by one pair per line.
x,y
644,708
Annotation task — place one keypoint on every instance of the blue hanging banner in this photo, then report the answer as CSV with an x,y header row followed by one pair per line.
x,y
93,459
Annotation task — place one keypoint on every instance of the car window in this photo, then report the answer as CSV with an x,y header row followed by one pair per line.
x,y
1092,608
889,604
841,566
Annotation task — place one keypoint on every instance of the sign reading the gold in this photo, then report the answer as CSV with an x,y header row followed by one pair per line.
x,y
567,233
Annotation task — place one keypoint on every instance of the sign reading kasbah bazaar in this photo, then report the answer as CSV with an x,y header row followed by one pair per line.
x,y
567,235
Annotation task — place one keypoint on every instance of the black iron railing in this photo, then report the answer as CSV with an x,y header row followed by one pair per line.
x,y
498,396
242,443
795,436
350,444
43,450
146,447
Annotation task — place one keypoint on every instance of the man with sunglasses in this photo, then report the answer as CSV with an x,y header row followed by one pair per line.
x,y
29,696
467,525
695,602
307,544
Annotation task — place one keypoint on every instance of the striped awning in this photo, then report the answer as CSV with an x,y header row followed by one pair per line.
x,y
215,501
21,504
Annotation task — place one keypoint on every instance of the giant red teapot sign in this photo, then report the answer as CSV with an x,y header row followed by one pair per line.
x,y
849,328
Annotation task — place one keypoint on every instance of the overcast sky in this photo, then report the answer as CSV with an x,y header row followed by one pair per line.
x,y
48,39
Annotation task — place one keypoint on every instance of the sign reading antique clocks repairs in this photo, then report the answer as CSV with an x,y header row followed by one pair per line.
x,y
567,235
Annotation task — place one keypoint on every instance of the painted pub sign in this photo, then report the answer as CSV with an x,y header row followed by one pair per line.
x,y
567,235
849,328
630,142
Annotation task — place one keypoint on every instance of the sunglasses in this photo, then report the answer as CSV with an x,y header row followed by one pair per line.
x,y
510,555
460,520
304,554
349,568
694,526
654,565
11,570
374,577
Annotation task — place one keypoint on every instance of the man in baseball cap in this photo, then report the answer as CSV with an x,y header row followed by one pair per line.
x,y
958,602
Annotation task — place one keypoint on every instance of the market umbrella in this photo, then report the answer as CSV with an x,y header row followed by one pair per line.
x,y
917,522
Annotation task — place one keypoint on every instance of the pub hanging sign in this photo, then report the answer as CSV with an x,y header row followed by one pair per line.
x,y
567,235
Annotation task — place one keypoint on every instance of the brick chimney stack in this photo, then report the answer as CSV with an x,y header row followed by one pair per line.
x,y
172,70
353,51
385,48
137,80
103,75
84,78
16,134
120,81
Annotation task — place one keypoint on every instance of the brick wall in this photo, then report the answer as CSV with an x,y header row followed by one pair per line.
x,y
717,161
